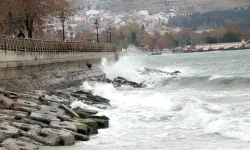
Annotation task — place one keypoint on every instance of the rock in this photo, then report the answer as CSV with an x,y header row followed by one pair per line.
x,y
7,131
91,123
79,137
18,114
24,126
26,139
82,128
5,103
66,137
45,137
2,148
13,144
52,110
69,111
11,95
26,103
54,99
99,117
43,117
1,90
4,117
119,81
63,125
33,122
102,123
23,108
65,118
85,113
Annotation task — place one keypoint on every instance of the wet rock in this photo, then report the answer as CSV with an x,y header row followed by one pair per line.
x,y
82,128
79,137
119,81
66,137
65,118
102,123
69,111
24,126
92,124
5,103
52,110
13,144
150,70
18,114
45,137
7,131
84,113
33,122
63,125
28,140
43,117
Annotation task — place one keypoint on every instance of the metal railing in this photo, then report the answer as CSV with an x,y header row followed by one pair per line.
x,y
33,45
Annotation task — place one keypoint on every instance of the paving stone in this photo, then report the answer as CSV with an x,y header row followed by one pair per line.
x,y
25,126
7,131
5,102
45,137
26,139
43,117
13,144
63,125
66,138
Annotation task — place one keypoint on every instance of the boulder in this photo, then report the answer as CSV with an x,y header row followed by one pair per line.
x,y
45,137
5,103
43,117
119,81
13,144
63,125
28,140
102,123
24,126
84,113
69,111
66,137
7,131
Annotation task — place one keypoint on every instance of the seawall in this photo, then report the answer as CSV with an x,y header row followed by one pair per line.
x,y
42,73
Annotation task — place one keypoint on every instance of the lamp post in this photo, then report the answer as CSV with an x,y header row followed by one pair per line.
x,y
109,35
97,26
63,18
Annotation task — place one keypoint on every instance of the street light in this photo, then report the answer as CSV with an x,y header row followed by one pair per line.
x,y
110,35
63,18
107,34
97,26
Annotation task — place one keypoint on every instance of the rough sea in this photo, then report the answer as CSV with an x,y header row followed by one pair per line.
x,y
205,107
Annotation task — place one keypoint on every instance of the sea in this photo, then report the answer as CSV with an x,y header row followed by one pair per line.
x,y
205,107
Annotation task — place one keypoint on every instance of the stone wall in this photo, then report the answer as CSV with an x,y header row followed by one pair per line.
x,y
51,73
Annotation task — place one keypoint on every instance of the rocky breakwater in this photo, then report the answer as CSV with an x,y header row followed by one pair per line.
x,y
35,119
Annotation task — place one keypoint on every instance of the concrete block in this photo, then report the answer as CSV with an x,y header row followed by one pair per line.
x,y
13,144
66,138
24,126
19,114
43,117
4,117
7,131
5,102
26,103
45,137
63,125
33,122
26,139
52,110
